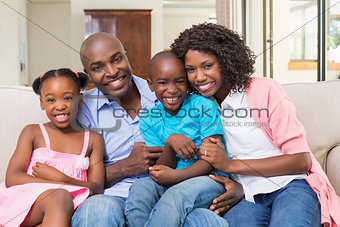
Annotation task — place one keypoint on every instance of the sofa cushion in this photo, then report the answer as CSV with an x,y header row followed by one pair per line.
x,y
19,107
333,168
318,109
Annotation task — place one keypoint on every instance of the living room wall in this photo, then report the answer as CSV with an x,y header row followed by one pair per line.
x,y
13,43
45,51
78,27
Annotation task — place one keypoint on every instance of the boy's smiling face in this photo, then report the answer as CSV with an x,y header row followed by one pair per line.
x,y
169,82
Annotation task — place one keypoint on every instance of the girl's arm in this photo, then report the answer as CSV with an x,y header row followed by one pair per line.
x,y
96,173
273,166
16,170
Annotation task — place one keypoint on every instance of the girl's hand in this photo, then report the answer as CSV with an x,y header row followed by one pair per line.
x,y
46,172
214,153
183,146
234,194
163,175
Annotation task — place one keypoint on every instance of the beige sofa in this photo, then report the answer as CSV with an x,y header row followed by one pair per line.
x,y
317,104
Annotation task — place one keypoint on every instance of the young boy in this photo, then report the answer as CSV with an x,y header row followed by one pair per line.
x,y
180,123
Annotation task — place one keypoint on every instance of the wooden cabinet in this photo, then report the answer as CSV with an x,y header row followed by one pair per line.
x,y
132,27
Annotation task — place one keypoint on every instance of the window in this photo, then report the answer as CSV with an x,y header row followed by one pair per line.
x,y
303,42
333,40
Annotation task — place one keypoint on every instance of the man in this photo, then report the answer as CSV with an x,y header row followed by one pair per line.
x,y
112,109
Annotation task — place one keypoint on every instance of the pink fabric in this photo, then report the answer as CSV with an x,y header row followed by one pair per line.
x,y
16,201
284,130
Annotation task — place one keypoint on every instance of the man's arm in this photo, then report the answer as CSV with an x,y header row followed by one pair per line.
x,y
137,163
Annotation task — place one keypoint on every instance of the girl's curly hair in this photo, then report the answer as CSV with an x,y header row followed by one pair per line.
x,y
235,58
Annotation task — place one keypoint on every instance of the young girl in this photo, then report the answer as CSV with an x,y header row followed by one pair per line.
x,y
284,185
54,167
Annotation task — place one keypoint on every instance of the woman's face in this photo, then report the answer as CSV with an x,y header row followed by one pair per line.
x,y
203,72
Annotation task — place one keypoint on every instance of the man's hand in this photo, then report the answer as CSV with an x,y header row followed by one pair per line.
x,y
183,146
163,175
234,194
142,157
46,172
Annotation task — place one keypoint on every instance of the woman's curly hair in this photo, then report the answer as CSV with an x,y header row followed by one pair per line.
x,y
235,58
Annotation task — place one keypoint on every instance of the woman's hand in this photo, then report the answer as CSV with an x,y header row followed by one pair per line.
x,y
234,194
46,172
214,153
183,146
163,175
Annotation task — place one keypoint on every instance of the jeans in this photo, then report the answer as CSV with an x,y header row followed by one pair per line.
x,y
296,205
150,204
202,217
100,210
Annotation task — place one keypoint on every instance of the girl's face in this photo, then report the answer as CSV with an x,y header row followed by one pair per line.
x,y
57,94
203,72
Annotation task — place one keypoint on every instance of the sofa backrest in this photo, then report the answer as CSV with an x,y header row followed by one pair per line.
x,y
19,107
318,109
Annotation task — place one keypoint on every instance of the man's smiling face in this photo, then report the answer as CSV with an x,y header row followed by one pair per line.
x,y
105,62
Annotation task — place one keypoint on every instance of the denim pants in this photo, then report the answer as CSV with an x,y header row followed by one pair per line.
x,y
294,205
150,204
100,210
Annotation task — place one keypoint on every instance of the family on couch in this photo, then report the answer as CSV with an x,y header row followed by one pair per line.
x,y
278,182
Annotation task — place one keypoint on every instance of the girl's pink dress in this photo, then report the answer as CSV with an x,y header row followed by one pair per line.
x,y
16,201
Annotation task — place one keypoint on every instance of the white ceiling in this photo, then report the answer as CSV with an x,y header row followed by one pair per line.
x,y
165,1
47,1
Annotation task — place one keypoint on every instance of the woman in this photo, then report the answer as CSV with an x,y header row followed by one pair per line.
x,y
267,145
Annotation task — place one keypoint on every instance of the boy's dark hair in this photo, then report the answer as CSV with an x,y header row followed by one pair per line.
x,y
80,79
161,55
235,58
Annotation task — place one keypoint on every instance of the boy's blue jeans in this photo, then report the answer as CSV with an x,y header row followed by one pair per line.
x,y
296,205
151,204
105,210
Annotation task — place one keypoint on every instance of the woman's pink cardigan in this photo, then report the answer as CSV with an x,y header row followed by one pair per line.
x,y
284,130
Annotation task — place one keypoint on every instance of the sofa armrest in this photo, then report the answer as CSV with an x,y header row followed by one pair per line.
x,y
333,168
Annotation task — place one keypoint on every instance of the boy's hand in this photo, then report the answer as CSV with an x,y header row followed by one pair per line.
x,y
214,153
183,146
163,175
46,172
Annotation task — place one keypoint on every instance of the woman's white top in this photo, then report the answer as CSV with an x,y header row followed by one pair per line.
x,y
245,140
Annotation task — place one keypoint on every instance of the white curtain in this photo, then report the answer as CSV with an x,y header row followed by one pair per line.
x,y
223,12
228,13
